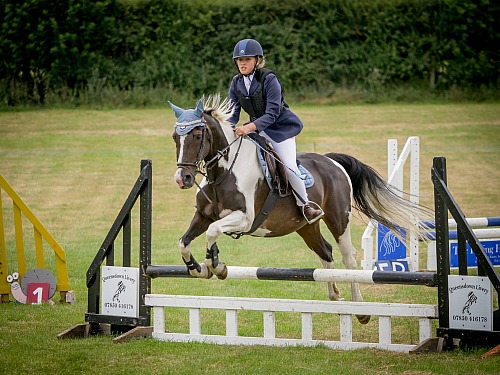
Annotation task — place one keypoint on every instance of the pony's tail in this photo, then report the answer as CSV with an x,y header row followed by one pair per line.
x,y
374,197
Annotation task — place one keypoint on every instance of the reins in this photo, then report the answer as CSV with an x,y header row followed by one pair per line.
x,y
275,158
221,154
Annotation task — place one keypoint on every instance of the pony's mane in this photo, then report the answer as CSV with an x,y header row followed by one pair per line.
x,y
221,110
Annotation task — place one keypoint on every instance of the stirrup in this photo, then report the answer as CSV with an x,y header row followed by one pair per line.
x,y
317,217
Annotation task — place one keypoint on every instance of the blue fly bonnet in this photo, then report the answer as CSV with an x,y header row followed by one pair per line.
x,y
188,119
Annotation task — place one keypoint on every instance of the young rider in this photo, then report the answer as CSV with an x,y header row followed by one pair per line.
x,y
258,91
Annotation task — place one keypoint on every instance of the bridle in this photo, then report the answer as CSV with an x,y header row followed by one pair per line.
x,y
204,167
199,163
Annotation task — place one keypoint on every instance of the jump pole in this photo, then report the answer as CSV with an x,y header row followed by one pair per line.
x,y
480,233
485,228
306,274
473,222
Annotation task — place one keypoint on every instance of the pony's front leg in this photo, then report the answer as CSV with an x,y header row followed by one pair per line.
x,y
194,268
213,263
236,221
199,224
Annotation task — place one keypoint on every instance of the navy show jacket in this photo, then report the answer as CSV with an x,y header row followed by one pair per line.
x,y
278,127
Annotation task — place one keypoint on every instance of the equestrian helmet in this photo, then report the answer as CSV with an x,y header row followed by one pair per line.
x,y
247,47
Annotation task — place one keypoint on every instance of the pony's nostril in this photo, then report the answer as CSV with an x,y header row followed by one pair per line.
x,y
188,180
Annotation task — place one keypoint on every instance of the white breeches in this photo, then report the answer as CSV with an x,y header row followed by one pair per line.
x,y
287,150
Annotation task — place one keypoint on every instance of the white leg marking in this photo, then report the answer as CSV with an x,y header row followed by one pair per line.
x,y
333,292
235,221
349,259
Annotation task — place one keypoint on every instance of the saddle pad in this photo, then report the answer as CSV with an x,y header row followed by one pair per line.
x,y
309,179
305,174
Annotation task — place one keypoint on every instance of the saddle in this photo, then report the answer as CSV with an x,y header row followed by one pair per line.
x,y
272,165
275,172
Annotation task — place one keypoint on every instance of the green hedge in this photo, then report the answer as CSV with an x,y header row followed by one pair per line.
x,y
100,51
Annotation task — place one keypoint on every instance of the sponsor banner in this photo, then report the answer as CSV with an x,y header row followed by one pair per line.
x,y
471,302
120,291
491,247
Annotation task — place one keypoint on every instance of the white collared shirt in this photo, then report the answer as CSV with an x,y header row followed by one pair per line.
x,y
248,82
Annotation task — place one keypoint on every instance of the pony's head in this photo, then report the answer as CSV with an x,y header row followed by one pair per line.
x,y
200,134
192,144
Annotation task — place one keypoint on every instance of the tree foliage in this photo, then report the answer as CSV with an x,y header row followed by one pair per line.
x,y
68,47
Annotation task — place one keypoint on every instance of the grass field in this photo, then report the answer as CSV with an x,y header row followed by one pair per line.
x,y
74,169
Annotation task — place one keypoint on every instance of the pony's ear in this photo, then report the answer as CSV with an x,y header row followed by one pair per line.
x,y
199,109
177,110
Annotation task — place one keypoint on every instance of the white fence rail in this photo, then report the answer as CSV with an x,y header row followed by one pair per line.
x,y
385,311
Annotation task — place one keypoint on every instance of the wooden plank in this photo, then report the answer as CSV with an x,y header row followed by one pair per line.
x,y
134,333
307,326
431,345
493,352
4,285
18,227
425,329
194,321
385,329
40,261
268,306
84,330
291,305
231,323
242,340
159,319
269,324
80,330
346,328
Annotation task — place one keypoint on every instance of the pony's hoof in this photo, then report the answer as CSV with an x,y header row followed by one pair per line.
x,y
220,271
336,298
363,319
205,272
